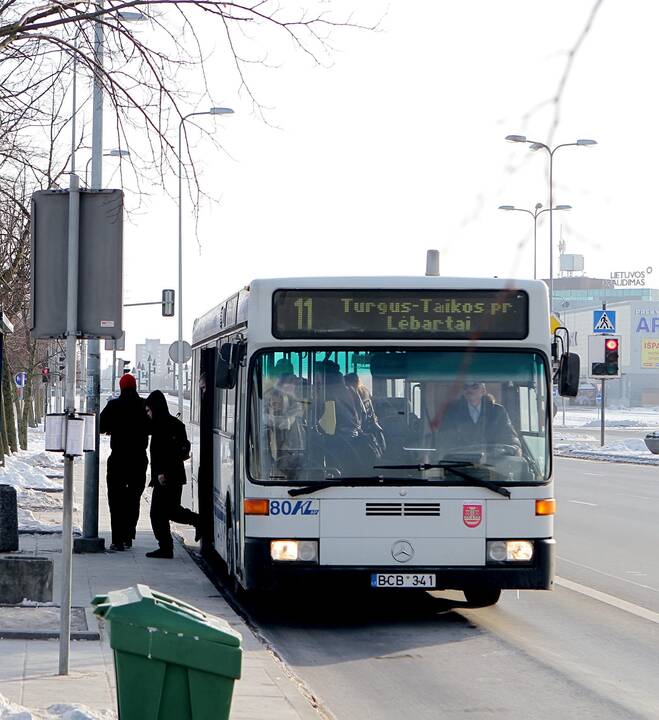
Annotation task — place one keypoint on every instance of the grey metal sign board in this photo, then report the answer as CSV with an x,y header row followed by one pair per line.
x,y
99,263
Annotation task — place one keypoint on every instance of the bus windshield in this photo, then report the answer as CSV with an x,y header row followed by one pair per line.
x,y
409,414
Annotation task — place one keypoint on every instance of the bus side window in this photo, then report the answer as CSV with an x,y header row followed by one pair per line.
x,y
218,413
230,403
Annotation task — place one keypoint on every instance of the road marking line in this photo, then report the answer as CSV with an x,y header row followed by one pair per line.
x,y
609,600
594,474
582,502
609,575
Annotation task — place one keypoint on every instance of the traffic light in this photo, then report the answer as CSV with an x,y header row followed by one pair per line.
x,y
611,347
604,356
45,375
168,303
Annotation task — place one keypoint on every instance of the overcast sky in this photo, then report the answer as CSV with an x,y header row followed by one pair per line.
x,y
399,147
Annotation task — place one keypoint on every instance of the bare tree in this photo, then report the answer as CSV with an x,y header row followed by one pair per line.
x,y
145,82
45,47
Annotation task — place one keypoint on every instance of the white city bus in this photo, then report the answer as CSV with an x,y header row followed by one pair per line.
x,y
402,482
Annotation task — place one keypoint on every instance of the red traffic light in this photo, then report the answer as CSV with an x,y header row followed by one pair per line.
x,y
611,344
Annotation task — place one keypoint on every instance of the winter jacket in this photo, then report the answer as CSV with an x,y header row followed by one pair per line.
x,y
459,431
169,442
125,420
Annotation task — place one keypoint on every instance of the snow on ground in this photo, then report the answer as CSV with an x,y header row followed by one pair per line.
x,y
642,417
37,476
569,443
631,450
60,711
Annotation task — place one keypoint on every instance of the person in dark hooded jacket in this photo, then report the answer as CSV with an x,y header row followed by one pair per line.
x,y
169,449
125,421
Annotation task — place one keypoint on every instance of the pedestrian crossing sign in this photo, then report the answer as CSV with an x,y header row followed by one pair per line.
x,y
604,321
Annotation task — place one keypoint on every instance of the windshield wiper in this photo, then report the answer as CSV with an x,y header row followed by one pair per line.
x,y
361,481
379,480
457,468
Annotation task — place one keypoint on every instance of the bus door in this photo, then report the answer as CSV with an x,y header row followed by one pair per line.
x,y
205,471
225,463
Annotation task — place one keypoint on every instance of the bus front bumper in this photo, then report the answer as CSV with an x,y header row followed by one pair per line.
x,y
261,572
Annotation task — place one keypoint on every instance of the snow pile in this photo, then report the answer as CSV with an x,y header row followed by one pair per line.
x,y
37,476
60,711
619,417
619,423
631,450
19,473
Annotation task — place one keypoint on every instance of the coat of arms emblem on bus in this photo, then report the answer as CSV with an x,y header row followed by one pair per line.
x,y
472,515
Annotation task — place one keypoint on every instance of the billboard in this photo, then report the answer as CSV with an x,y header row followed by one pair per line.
x,y
650,353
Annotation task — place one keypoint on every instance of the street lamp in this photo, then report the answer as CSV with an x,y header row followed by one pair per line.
x,y
212,111
537,211
115,152
534,145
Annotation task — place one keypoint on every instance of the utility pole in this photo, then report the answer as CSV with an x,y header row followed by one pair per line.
x,y
603,401
90,542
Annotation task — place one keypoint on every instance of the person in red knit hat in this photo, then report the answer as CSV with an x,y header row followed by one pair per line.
x,y
125,420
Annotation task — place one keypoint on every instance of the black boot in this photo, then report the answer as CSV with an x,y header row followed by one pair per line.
x,y
161,553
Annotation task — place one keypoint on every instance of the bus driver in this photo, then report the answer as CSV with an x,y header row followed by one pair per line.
x,y
476,421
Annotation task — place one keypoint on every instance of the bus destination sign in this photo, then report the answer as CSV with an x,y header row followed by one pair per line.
x,y
402,314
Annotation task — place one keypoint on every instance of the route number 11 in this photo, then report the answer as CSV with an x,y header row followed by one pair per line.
x,y
304,308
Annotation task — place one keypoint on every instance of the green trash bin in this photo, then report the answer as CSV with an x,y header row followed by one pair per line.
x,y
172,661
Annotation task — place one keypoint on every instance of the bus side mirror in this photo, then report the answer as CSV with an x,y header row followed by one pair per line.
x,y
568,375
226,367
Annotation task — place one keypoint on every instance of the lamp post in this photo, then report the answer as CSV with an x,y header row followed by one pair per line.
x,y
212,111
537,211
534,145
115,152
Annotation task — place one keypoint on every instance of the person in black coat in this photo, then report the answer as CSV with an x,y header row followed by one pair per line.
x,y
169,449
476,421
125,421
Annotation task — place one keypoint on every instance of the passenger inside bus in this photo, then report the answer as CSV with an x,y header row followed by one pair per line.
x,y
339,417
285,418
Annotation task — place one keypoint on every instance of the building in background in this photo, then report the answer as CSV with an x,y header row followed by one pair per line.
x,y
636,305
155,354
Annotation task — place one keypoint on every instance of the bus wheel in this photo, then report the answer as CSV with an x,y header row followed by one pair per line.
x,y
482,597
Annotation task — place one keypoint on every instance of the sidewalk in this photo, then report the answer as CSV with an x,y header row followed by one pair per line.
x,y
28,671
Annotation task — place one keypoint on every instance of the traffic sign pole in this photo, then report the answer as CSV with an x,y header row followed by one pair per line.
x,y
602,412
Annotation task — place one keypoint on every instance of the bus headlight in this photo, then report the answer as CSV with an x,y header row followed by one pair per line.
x,y
294,550
509,550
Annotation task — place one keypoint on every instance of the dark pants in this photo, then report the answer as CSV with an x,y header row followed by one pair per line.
x,y
166,506
126,481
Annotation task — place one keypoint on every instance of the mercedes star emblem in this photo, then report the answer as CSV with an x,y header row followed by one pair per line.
x,y
402,551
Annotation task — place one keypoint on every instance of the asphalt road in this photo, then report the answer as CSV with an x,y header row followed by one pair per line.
x,y
589,649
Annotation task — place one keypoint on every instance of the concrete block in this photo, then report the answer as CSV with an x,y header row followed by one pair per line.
x,y
29,578
88,545
8,519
